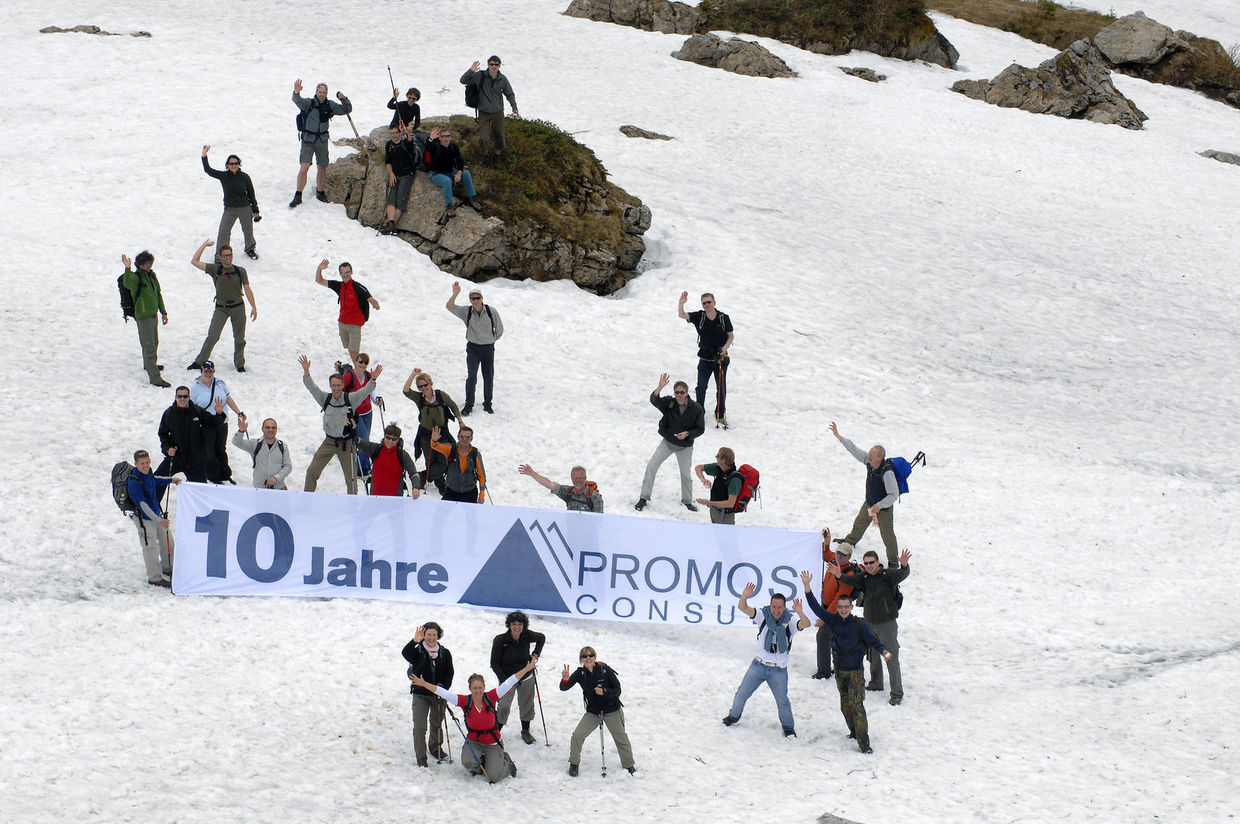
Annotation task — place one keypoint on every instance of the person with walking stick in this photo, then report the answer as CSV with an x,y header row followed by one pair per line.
x,y
509,653
601,689
339,419
431,661
482,752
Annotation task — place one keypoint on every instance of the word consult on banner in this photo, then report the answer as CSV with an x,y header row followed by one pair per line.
x,y
243,541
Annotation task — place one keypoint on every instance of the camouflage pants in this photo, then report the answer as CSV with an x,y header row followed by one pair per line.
x,y
851,684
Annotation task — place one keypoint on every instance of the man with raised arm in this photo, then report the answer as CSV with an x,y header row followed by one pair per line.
x,y
770,660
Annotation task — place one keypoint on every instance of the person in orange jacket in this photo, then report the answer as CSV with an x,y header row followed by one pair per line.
x,y
832,589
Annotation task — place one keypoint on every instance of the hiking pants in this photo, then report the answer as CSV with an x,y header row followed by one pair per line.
x,y
491,132
148,339
886,528
231,215
851,684
215,445
479,354
719,369
224,313
155,542
823,639
341,450
524,690
776,678
494,759
722,516
445,182
886,632
436,463
684,457
424,707
615,725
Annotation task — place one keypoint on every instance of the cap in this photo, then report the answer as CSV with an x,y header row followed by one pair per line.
x,y
844,547
208,364
477,292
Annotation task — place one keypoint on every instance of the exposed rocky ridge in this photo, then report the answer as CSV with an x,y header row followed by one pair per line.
x,y
1222,157
1138,46
734,55
86,29
636,131
478,246
1075,83
864,74
648,15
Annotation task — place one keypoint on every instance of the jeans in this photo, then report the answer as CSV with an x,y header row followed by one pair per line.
x,y
445,182
777,679
479,354
363,434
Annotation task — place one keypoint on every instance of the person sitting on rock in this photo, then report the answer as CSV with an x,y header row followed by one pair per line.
x,y
447,168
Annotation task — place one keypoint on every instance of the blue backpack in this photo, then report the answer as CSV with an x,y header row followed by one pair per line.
x,y
904,467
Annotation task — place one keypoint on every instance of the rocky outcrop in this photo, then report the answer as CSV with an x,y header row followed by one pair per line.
x,y
634,131
864,74
1222,157
926,44
735,55
1074,83
648,15
479,246
1138,39
84,29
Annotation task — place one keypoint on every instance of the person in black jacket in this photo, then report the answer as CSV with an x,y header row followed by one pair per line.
x,y
510,652
683,420
446,167
239,203
400,158
601,689
432,662
407,114
181,438
878,588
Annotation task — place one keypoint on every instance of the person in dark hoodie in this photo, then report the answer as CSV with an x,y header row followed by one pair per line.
x,y
407,114
431,661
181,438
601,689
239,202
682,422
446,167
510,653
879,587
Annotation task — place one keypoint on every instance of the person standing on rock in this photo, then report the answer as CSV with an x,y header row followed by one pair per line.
x,y
681,423
493,87
407,114
315,114
483,327
239,202
230,282
355,304
714,330
400,160
143,287
446,167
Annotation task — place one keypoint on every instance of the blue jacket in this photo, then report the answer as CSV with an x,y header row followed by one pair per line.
x,y
144,494
850,637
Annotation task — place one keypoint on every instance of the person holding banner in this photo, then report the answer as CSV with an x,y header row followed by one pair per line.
x,y
431,661
770,661
482,752
601,690
465,479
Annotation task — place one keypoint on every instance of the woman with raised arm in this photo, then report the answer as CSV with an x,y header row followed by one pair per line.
x,y
431,660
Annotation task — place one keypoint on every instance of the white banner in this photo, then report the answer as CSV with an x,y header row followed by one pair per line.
x,y
233,540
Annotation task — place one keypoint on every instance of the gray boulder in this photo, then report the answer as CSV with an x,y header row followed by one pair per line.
x,y
734,55
634,131
1138,39
87,29
1074,83
1222,157
864,74
648,15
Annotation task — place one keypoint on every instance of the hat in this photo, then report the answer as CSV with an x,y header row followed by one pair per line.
x,y
477,292
844,547
208,364
494,59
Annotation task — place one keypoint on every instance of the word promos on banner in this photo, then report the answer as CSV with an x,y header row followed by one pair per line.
x,y
261,542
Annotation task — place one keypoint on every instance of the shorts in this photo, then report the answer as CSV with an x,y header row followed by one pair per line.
x,y
350,336
398,195
316,149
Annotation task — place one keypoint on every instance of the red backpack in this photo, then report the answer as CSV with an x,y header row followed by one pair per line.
x,y
749,487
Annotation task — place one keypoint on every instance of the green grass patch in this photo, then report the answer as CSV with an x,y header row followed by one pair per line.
x,y
1042,21
802,22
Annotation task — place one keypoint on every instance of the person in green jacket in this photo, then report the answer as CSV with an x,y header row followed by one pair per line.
x,y
148,300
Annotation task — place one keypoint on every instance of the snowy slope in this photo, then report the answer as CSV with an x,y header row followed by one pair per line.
x,y
1045,307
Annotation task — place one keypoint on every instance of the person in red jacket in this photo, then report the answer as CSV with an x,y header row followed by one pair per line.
x,y
832,590
482,752
391,463
355,304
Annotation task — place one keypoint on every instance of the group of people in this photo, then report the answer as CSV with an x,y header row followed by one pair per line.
x,y
514,660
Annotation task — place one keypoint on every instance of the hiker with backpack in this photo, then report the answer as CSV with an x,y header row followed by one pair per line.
x,y
435,409
400,158
850,638
271,459
492,87
355,303
211,393
465,479
770,662
339,420
511,657
407,114
313,117
832,590
431,661
154,535
882,490
391,463
239,203
356,376
183,429
600,688
681,422
581,496
483,327
230,282
145,300
714,330
731,489
881,600
482,751
445,168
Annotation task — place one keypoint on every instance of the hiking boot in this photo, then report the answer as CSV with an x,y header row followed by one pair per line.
x,y
162,582
253,255
421,762
573,770
467,409
527,736
486,407
640,505
296,201
161,383
790,733
513,771
872,687
159,366
320,196
691,506
194,367
729,720
867,750
852,734
473,203
895,700
240,368
820,675
443,219
631,770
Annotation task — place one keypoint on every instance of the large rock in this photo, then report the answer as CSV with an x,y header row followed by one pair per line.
x,y
926,43
1074,83
480,246
648,15
1222,157
1138,39
734,55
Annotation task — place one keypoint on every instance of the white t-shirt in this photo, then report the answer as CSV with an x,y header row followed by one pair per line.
x,y
763,653
201,394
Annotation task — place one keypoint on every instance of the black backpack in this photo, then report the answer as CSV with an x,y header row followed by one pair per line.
x,y
279,443
120,486
471,96
126,299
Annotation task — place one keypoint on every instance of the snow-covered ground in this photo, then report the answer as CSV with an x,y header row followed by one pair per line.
x,y
1045,307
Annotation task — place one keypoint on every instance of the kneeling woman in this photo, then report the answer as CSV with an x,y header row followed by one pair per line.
x,y
482,750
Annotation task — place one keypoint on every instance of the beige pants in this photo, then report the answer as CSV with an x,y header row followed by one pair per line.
x,y
156,546
615,725
341,450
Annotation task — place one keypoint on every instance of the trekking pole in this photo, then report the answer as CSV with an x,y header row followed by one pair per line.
x,y
538,694
601,744
465,738
447,738
399,119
